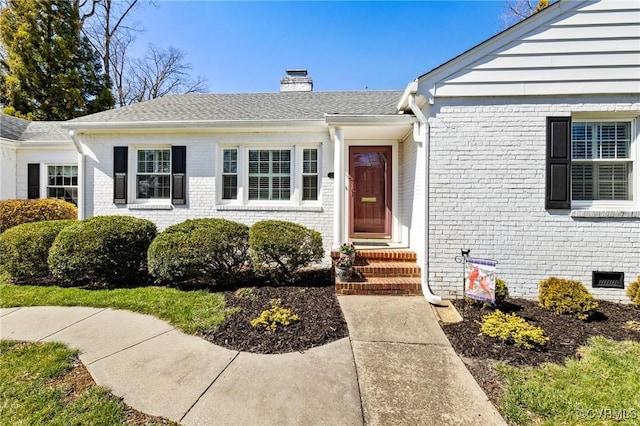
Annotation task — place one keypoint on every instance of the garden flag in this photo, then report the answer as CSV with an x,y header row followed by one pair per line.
x,y
480,280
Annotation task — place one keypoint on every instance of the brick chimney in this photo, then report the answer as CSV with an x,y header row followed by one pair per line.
x,y
296,80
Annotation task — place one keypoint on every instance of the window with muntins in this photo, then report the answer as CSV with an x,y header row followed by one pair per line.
x,y
229,174
270,174
309,174
601,161
153,174
62,182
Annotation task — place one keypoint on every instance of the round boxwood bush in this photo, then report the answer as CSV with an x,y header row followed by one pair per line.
x,y
567,297
24,250
16,212
199,251
279,249
103,251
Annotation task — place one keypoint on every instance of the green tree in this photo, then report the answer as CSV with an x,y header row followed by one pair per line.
x,y
50,71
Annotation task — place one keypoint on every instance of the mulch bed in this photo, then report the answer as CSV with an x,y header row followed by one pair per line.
x,y
320,320
566,335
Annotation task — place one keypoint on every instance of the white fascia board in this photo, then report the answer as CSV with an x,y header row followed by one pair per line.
x,y
234,126
47,144
431,78
411,89
8,143
369,120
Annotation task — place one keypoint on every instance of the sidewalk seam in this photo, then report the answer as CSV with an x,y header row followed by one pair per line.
x,y
215,379
400,343
131,346
9,313
71,325
355,367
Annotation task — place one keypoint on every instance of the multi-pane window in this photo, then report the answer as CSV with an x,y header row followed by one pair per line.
x,y
601,163
310,174
270,174
229,174
62,182
153,174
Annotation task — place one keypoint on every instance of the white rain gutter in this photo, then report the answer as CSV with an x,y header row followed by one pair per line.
x,y
421,134
81,172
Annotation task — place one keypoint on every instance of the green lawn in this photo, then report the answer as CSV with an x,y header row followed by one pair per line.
x,y
191,311
29,398
601,388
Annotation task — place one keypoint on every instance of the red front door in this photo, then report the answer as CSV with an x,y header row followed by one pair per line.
x,y
370,191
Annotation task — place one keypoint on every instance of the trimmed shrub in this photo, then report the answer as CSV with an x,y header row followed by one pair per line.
x,y
501,293
270,318
16,212
24,250
199,250
279,249
103,251
513,329
567,297
634,292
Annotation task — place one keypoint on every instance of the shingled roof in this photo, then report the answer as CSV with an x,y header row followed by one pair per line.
x,y
251,106
18,129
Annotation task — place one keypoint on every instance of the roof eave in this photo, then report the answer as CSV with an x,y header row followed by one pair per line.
x,y
369,120
195,124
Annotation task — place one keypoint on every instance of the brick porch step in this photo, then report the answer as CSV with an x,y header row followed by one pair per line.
x,y
382,272
381,286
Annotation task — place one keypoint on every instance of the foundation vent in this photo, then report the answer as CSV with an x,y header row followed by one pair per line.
x,y
607,279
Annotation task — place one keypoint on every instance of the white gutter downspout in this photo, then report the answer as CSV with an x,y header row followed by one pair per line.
x,y
81,172
421,134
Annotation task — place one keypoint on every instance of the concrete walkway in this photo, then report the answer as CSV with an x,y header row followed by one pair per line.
x,y
396,368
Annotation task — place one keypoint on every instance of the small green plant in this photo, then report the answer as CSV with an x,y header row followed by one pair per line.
x,y
567,297
344,261
270,318
632,325
514,329
634,292
245,293
347,248
501,294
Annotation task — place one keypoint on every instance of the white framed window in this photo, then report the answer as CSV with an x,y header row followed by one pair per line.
x,y
309,174
602,162
153,173
230,174
62,182
269,175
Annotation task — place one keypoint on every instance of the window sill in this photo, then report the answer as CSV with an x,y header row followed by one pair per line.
x,y
147,206
605,214
252,208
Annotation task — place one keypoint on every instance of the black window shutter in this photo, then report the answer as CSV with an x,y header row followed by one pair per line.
x,y
33,180
120,165
178,170
558,163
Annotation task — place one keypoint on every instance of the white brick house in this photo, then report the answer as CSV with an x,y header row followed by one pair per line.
x,y
523,149
37,160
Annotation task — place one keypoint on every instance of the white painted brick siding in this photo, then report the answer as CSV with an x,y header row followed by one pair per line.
x,y
201,180
487,194
7,172
66,155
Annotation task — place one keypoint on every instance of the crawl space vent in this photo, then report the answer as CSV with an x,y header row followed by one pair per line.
x,y
607,279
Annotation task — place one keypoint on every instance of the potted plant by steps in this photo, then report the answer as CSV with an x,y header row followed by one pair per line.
x,y
344,267
348,249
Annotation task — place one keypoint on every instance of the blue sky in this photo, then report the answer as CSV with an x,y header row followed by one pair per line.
x,y
246,46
